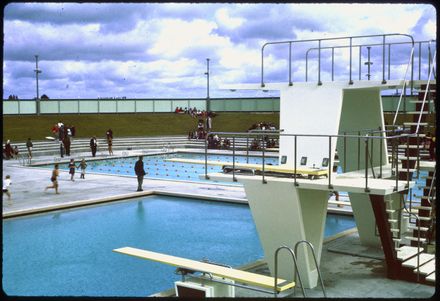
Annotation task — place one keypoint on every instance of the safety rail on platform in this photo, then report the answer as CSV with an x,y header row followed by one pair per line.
x,y
368,138
347,38
403,92
361,46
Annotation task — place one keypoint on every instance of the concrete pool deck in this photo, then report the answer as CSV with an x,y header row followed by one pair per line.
x,y
345,276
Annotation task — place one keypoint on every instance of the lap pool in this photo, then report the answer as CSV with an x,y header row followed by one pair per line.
x,y
158,166
69,253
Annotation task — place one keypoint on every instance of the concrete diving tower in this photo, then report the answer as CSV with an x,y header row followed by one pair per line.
x,y
313,117
287,210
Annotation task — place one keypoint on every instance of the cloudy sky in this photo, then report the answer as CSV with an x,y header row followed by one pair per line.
x,y
146,50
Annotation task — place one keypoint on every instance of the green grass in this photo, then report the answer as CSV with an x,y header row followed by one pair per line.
x,y
19,128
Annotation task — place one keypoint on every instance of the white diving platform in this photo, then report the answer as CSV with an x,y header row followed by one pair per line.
x,y
216,270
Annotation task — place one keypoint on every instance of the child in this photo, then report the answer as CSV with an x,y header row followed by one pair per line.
x,y
72,169
83,166
6,185
53,179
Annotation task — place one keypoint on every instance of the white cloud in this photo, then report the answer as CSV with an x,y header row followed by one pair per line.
x,y
224,19
429,29
175,36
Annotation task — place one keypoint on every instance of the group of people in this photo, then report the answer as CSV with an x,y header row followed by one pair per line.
x,y
72,167
215,142
193,112
264,126
94,143
60,130
64,134
204,125
9,151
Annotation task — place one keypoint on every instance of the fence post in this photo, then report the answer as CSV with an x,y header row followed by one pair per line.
x,y
359,150
294,163
366,164
233,160
345,151
380,153
263,146
330,186
206,158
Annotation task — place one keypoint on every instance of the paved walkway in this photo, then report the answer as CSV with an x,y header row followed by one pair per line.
x,y
28,185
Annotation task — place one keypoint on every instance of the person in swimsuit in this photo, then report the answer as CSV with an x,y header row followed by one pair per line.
x,y
54,180
72,169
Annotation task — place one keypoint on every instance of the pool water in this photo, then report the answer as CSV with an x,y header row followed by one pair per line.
x,y
69,253
157,166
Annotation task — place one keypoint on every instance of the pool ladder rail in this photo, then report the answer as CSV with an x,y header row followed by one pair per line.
x,y
294,257
184,272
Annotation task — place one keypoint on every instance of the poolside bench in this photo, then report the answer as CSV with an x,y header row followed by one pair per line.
x,y
244,277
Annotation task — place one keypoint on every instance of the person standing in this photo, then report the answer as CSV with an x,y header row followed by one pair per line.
x,y
208,123
8,151
6,184
54,179
61,149
72,169
109,133
67,143
140,172
93,145
29,146
110,145
83,166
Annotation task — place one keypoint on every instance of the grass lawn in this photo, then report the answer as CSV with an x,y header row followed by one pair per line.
x,y
19,128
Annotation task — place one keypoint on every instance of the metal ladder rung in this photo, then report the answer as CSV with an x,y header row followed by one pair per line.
x,y
414,227
415,238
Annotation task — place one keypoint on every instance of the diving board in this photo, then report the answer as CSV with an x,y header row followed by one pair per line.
x,y
259,167
221,271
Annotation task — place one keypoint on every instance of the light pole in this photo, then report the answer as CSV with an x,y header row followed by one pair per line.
x,y
37,71
208,105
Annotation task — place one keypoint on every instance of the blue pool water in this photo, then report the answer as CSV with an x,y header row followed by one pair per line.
x,y
157,166
69,253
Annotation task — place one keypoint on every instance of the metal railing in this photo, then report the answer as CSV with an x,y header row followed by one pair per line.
x,y
427,91
296,269
369,138
360,46
418,234
316,263
319,41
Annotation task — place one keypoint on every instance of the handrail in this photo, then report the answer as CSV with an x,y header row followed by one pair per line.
x,y
296,269
404,86
431,186
418,236
426,94
368,157
350,38
368,45
316,263
315,135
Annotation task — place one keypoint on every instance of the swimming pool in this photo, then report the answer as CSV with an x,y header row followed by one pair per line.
x,y
157,166
69,253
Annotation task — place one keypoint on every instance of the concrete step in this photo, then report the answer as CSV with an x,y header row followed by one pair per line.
x,y
423,258
411,238
406,252
414,227
427,208
427,268
431,277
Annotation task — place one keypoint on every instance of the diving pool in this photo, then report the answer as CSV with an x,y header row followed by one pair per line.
x,y
69,253
158,166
